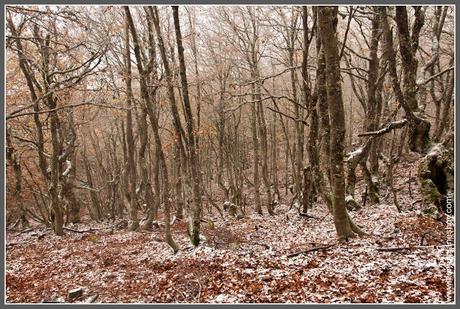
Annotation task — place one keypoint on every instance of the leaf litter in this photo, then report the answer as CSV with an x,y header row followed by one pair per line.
x,y
243,261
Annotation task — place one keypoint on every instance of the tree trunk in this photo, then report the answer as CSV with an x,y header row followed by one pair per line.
x,y
327,19
131,166
311,103
419,127
13,160
152,112
191,141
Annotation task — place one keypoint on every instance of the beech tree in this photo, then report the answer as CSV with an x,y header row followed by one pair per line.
x,y
327,22
147,116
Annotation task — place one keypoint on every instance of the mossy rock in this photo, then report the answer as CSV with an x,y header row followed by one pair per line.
x,y
431,212
436,178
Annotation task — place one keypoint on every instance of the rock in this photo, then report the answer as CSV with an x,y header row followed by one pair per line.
x,y
54,300
75,293
351,203
91,299
436,178
123,224
232,210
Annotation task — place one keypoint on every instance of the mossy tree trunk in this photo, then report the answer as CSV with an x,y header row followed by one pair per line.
x,y
327,22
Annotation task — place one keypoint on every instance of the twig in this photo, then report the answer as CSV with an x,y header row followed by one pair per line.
x,y
286,115
261,80
11,116
328,212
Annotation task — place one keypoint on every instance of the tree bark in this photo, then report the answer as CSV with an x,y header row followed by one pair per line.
x,y
131,166
327,19
152,112
191,141
419,127
13,160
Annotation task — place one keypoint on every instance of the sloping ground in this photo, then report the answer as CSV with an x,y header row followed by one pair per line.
x,y
247,260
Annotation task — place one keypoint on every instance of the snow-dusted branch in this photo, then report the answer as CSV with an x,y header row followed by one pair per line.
x,y
391,126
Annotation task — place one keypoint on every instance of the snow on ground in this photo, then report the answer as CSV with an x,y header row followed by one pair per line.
x,y
244,260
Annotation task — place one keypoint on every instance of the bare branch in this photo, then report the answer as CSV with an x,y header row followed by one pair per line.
x,y
391,126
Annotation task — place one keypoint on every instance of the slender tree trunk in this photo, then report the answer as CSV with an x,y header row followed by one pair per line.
x,y
264,147
95,209
323,111
311,103
13,160
419,127
444,118
191,141
327,18
255,141
54,127
372,89
131,166
146,185
152,112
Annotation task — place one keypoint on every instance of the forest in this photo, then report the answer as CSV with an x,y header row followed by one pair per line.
x,y
229,154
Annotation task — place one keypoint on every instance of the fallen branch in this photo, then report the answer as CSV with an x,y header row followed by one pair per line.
x,y
328,213
393,249
310,250
263,245
89,230
306,215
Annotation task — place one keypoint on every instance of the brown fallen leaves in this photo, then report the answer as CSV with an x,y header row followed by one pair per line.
x,y
241,261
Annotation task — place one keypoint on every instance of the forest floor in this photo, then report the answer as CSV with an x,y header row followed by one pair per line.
x,y
405,258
